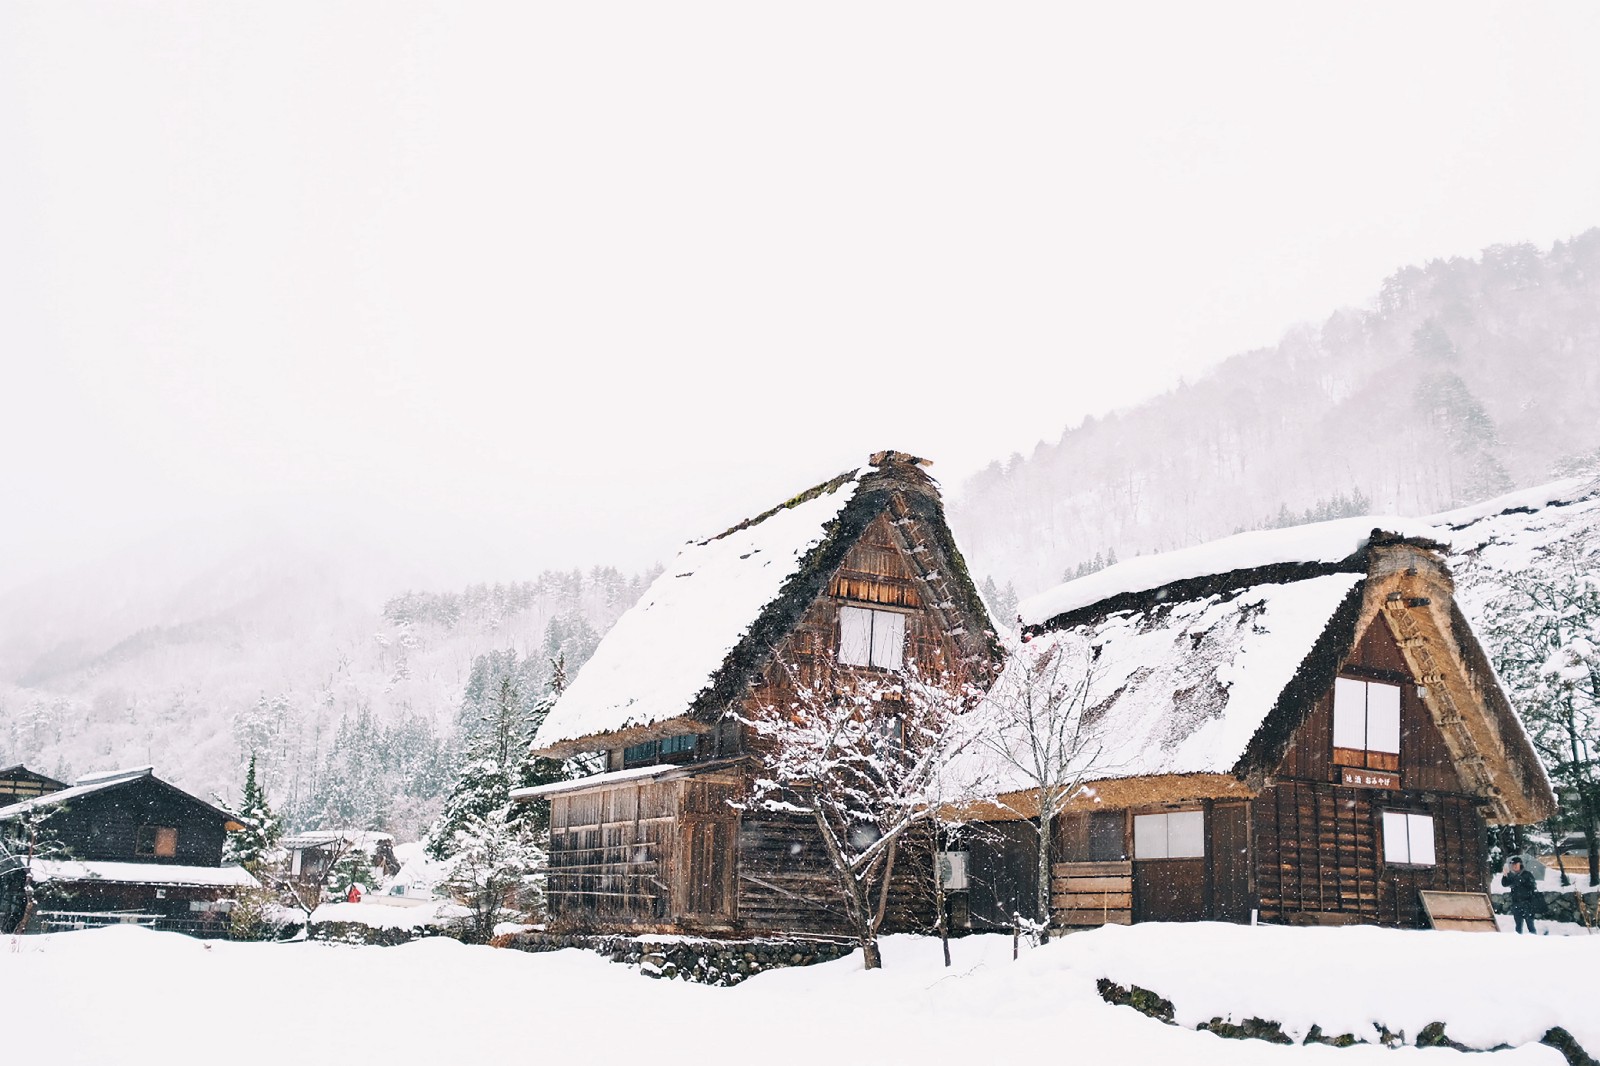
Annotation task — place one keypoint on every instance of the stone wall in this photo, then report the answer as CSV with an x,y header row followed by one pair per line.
x,y
704,960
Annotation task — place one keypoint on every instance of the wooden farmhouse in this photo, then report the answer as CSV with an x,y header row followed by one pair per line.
x,y
856,576
1296,726
121,847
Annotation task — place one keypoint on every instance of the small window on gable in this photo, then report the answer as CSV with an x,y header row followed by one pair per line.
x,y
871,638
155,840
1172,835
1366,723
1408,838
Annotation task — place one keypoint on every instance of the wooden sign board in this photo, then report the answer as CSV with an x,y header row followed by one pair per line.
x,y
1469,912
1350,775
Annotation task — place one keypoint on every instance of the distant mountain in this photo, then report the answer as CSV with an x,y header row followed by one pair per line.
x,y
276,651
1467,377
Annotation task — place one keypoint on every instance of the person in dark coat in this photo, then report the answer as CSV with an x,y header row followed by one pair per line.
x,y
1524,894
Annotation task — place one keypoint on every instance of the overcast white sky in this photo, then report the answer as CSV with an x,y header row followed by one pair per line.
x,y
544,284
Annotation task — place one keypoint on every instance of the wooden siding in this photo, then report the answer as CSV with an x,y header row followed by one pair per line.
x,y
1425,762
104,826
1002,873
1320,850
1084,894
611,855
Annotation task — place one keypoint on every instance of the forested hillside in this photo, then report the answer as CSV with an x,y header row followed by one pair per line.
x,y
1467,377
352,712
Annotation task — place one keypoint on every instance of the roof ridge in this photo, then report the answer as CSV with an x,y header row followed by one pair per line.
x,y
832,485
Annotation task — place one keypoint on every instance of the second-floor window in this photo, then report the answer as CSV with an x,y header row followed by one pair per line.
x,y
156,840
871,638
1366,724
658,750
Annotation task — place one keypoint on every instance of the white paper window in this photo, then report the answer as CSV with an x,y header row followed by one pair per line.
x,y
1174,835
1366,715
1349,713
1383,717
1408,838
888,639
871,638
855,636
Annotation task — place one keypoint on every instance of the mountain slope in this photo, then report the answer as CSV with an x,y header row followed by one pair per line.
x,y
1466,378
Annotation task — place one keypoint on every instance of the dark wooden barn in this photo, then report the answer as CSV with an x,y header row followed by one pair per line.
x,y
1312,741
18,783
122,847
856,576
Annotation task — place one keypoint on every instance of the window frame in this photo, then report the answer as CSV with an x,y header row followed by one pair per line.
x,y
682,749
1366,756
1408,818
1166,817
157,834
873,642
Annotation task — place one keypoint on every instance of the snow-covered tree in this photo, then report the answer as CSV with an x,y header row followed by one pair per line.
x,y
491,865
1544,632
1038,735
864,758
251,846
500,715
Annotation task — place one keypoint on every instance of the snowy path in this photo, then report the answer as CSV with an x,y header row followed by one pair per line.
x,y
133,996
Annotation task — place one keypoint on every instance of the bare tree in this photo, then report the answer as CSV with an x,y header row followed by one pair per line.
x,y
1039,734
864,757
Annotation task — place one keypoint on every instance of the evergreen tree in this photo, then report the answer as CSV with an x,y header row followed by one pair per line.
x,y
250,846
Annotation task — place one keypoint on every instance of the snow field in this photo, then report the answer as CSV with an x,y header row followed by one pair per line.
x,y
163,998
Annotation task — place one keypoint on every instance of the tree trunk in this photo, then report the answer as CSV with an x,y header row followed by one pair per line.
x,y
940,922
855,896
1042,894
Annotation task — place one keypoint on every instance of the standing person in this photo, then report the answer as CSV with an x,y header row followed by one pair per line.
x,y
1524,893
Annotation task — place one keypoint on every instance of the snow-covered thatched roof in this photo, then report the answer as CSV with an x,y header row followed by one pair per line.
x,y
720,607
1205,661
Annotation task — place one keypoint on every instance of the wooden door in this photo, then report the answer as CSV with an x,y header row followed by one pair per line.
x,y
1170,890
710,861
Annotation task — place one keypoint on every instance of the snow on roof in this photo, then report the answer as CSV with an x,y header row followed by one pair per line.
x,y
97,782
143,873
106,776
669,646
316,838
1179,687
633,773
1320,542
1515,532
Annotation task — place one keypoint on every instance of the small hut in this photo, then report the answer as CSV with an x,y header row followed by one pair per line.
x,y
1296,726
855,576
116,848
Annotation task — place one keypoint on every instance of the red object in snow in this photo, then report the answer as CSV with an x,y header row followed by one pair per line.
x,y
354,895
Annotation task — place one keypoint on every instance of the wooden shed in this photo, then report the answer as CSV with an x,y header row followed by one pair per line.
x,y
1293,727
856,576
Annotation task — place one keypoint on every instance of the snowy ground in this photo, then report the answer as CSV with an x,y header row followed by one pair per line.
x,y
134,996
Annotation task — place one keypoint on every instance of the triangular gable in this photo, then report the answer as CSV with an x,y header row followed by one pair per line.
x,y
685,653
1407,612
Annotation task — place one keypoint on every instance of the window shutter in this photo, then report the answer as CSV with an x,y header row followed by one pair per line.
x,y
855,636
1349,713
1383,718
1396,846
1419,830
888,639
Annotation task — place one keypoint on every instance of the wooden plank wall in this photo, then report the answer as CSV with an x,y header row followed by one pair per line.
x,y
611,855
1086,894
1319,850
1002,873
